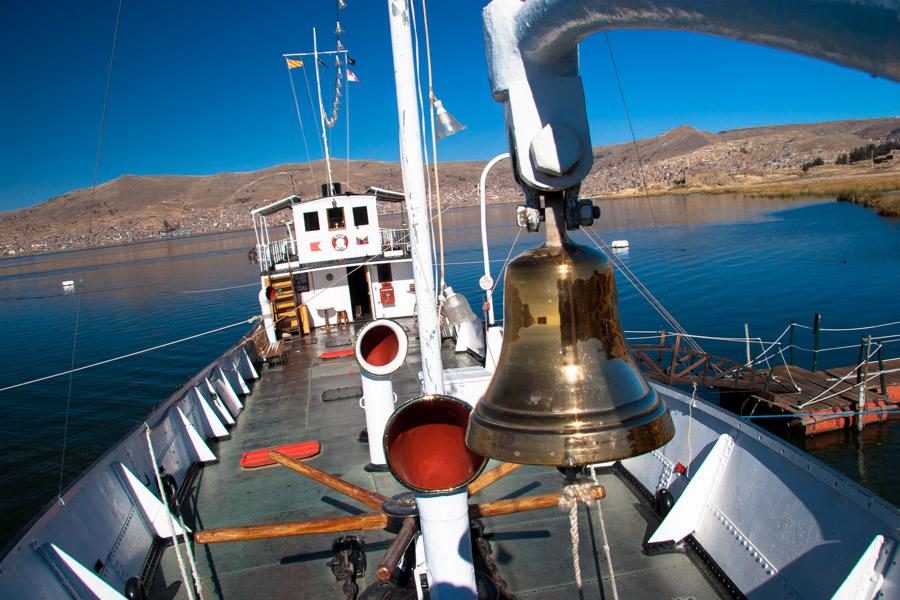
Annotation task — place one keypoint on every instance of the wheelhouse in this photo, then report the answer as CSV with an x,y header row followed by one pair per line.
x,y
328,261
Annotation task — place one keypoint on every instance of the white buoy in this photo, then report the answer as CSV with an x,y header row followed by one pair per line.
x,y
619,245
68,286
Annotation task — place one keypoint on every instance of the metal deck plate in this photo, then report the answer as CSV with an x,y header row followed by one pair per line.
x,y
533,550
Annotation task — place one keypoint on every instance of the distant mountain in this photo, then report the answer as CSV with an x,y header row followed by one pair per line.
x,y
140,207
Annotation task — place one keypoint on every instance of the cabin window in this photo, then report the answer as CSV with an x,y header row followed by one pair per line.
x,y
384,273
335,217
360,216
301,282
311,221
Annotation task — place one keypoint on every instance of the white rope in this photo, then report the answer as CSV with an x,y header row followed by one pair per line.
x,y
821,396
130,354
190,554
851,328
506,261
220,289
606,548
877,374
162,495
765,351
569,498
788,369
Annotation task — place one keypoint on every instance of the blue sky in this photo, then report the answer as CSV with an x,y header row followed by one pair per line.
x,y
200,87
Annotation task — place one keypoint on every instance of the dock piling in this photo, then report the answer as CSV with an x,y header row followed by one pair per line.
x,y
817,327
862,384
791,355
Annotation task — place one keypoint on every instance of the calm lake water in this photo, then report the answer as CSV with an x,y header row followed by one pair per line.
x,y
715,262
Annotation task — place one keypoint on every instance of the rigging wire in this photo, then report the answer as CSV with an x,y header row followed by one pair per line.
x,y
347,119
300,121
62,458
640,160
434,164
112,58
425,155
641,288
246,321
313,109
109,71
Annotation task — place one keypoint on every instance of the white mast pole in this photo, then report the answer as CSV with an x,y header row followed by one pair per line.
x,y
322,115
416,201
444,518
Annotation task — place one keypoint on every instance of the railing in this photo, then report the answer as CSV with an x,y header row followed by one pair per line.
x,y
275,252
395,241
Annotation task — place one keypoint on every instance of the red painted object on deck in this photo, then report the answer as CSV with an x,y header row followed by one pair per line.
x,y
338,353
260,458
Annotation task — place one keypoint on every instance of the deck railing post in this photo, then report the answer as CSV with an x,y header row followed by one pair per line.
x,y
817,325
662,343
675,349
791,355
860,358
881,380
862,384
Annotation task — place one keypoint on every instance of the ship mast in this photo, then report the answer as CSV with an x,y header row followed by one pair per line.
x,y
444,518
322,115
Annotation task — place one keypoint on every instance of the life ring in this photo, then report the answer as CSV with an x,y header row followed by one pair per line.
x,y
339,242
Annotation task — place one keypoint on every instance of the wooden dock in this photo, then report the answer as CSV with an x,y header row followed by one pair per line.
x,y
824,402
811,401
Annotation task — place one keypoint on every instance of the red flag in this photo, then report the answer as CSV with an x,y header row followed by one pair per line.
x,y
315,246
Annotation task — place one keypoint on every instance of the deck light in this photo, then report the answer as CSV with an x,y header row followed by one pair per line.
x,y
446,124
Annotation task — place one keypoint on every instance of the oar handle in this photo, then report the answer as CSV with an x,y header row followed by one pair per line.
x,y
370,499
397,548
263,532
515,505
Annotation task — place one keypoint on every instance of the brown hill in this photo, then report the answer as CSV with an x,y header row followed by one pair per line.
x,y
140,207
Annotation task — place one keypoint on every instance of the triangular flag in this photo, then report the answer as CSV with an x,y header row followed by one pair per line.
x,y
351,76
294,63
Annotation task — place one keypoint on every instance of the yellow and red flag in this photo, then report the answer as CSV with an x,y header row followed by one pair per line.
x,y
294,63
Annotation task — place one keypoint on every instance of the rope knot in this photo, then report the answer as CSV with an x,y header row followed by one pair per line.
x,y
574,493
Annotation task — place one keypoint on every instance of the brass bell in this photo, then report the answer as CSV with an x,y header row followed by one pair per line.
x,y
566,391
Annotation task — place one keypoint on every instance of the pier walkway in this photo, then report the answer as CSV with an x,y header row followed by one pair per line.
x,y
811,401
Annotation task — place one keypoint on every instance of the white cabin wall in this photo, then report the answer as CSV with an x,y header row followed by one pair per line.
x,y
321,296
318,246
404,294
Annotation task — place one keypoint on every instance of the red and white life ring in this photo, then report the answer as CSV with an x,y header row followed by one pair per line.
x,y
339,242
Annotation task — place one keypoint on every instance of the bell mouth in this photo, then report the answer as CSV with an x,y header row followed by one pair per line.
x,y
425,445
552,445
381,347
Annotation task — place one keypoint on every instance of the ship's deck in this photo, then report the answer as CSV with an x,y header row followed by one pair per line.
x,y
532,549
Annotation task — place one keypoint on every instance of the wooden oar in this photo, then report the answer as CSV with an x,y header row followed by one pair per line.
x,y
370,499
313,526
397,548
492,476
515,505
